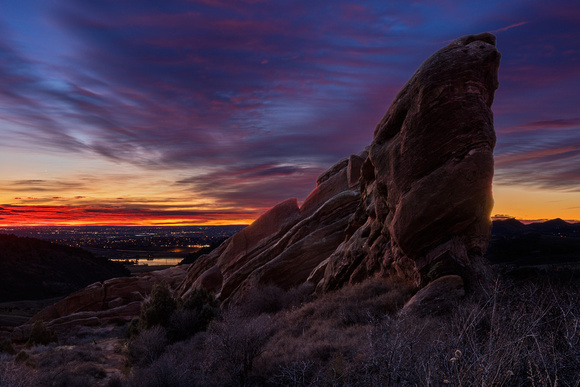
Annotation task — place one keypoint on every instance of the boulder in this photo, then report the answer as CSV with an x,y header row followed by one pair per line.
x,y
438,297
211,279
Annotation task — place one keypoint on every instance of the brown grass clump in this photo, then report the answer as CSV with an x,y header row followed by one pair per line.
x,y
525,333
327,333
40,335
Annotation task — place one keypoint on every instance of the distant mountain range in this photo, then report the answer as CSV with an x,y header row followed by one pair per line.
x,y
35,269
513,226
552,242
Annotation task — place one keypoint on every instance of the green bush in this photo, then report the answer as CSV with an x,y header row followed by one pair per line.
x,y
40,335
159,308
193,315
132,329
198,298
21,357
7,347
205,304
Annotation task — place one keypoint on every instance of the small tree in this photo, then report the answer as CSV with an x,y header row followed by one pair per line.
x,y
157,310
40,335
193,315
235,342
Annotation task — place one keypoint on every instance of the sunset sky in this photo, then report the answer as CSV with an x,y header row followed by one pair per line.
x,y
212,111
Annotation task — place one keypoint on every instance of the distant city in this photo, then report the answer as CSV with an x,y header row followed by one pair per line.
x,y
142,244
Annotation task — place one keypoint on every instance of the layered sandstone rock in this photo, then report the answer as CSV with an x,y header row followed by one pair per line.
x,y
426,184
422,193
117,299
284,245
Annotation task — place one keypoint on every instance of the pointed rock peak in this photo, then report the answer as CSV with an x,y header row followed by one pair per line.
x,y
427,196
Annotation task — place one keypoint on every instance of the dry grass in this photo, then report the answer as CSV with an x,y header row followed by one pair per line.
x,y
517,334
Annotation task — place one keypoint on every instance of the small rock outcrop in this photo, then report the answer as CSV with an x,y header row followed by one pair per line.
x,y
115,300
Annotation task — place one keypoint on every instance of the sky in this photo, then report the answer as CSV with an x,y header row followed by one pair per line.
x,y
143,112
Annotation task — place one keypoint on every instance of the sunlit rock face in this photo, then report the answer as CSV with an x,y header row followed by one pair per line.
x,y
426,184
285,244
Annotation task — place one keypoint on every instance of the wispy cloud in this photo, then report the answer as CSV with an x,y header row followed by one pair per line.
x,y
509,27
251,100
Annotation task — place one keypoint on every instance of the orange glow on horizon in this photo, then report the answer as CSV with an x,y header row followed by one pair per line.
x,y
23,216
526,204
533,204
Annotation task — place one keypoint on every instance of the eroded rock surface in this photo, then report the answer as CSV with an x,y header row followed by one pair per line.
x,y
417,204
426,184
292,242
114,300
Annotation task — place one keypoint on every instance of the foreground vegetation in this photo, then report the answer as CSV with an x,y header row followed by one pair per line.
x,y
524,332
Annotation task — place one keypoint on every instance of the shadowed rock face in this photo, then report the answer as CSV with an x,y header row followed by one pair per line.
x,y
113,301
426,185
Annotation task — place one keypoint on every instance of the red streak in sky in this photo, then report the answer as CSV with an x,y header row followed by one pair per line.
x,y
114,216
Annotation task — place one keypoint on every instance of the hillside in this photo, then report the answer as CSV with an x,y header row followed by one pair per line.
x,y
542,243
32,269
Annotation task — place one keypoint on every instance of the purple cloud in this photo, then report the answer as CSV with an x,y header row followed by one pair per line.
x,y
256,98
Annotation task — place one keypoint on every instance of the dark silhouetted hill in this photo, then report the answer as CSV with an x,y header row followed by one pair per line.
x,y
508,226
552,242
554,226
34,269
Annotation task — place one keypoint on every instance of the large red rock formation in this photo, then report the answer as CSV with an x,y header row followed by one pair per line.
x,y
426,184
416,203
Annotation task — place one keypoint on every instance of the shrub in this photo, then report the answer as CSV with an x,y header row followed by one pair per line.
x,y
182,364
268,299
148,346
167,370
198,298
115,381
158,308
132,329
271,299
14,374
234,342
7,347
192,315
298,373
40,335
22,357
